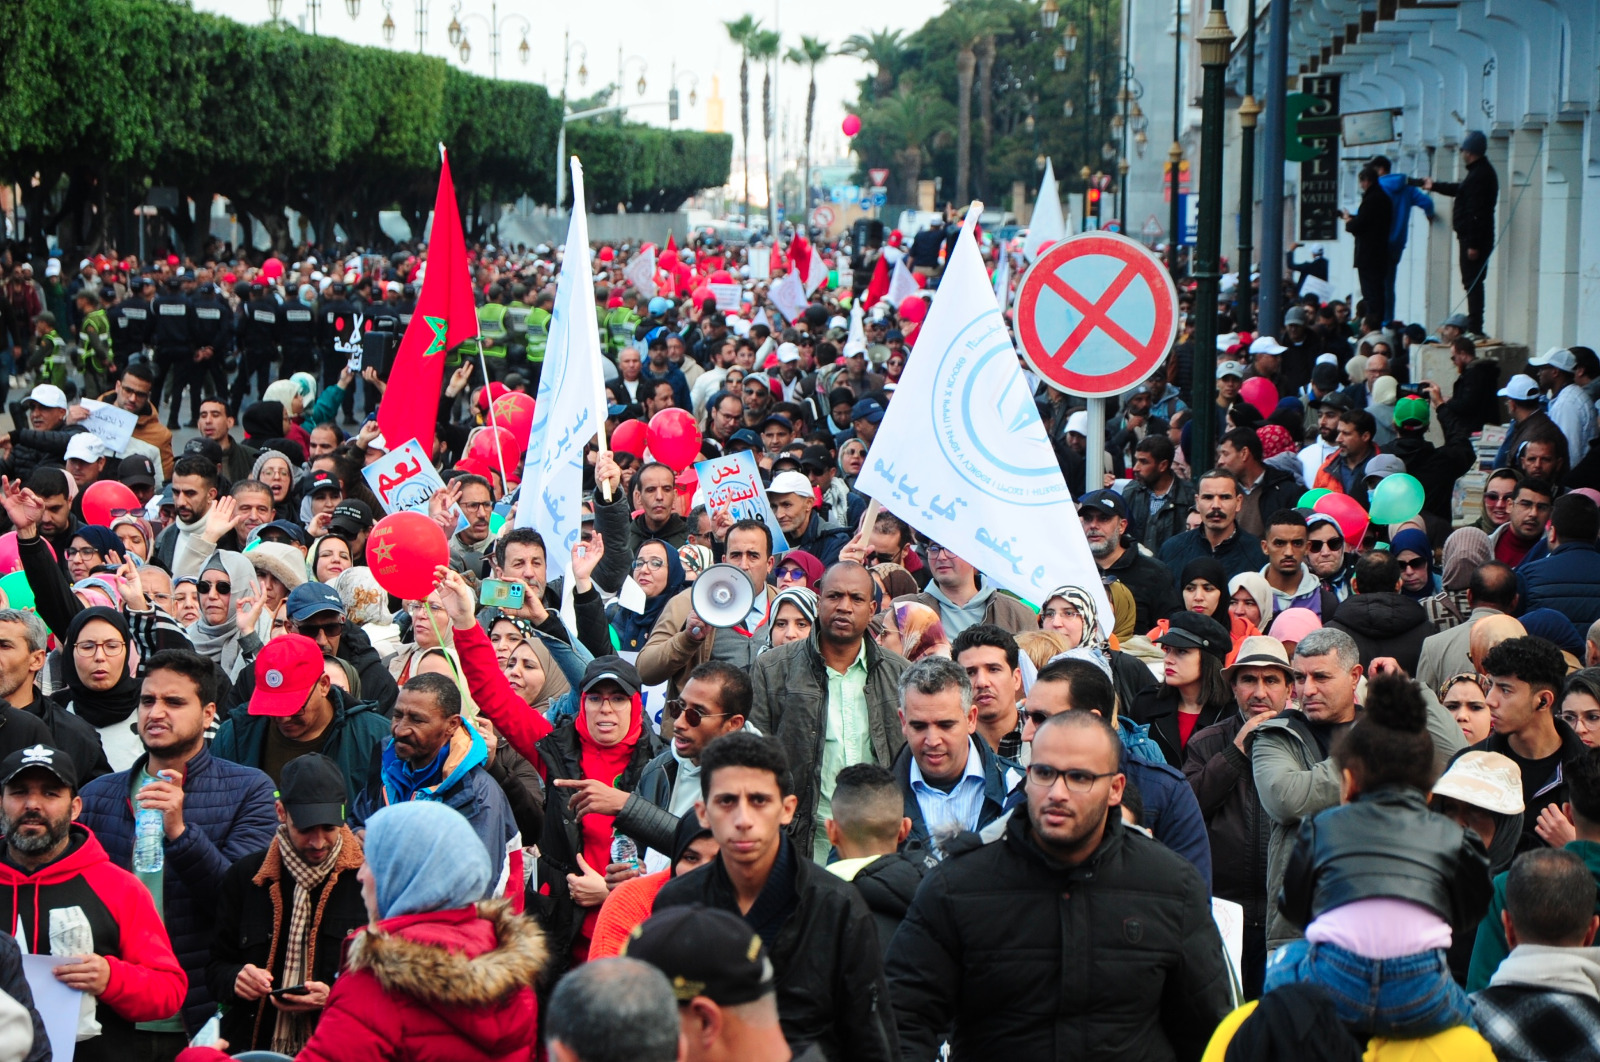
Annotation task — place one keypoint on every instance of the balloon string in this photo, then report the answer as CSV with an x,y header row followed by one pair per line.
x,y
461,680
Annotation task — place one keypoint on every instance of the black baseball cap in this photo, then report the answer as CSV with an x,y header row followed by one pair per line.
x,y
312,791
815,459
1334,400
137,470
210,449
44,758
610,669
1196,630
1106,501
705,952
321,480
352,516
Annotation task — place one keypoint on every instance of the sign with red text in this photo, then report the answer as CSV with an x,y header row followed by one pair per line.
x,y
733,483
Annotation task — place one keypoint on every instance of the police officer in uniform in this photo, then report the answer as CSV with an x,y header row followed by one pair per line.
x,y
492,327
538,326
258,342
131,323
297,331
213,340
174,339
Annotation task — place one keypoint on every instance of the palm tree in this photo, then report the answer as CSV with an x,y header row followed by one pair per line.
x,y
913,119
763,48
740,31
968,24
882,48
986,54
809,54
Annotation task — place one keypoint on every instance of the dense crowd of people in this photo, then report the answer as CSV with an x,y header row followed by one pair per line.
x,y
1320,781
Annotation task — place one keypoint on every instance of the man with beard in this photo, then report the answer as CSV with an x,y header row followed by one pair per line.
x,y
194,492
1326,443
282,913
1105,524
52,864
213,814
1158,500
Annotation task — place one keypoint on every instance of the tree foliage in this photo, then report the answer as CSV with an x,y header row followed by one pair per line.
x,y
102,99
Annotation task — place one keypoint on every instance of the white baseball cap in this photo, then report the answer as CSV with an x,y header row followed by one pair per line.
x,y
52,268
1520,388
1556,357
85,264
791,483
85,446
48,395
1078,423
1267,345
394,286
1230,368
788,352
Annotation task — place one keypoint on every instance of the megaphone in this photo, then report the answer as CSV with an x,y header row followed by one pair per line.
x,y
722,596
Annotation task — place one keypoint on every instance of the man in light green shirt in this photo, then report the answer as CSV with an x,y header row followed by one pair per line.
x,y
846,739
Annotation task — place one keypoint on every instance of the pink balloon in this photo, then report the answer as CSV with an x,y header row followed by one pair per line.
x,y
1348,514
1259,392
851,125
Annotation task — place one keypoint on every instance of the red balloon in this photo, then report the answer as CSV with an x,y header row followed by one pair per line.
x,y
513,411
483,448
701,294
851,125
1259,392
10,559
673,438
1347,513
105,499
629,438
403,550
913,308
721,276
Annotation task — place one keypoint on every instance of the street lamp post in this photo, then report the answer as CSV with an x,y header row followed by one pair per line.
x,y
567,44
496,26
672,94
1175,152
1249,109
1215,40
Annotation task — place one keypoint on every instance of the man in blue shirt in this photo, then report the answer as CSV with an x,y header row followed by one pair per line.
x,y
952,782
1403,195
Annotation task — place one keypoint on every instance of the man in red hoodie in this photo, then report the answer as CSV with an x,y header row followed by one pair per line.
x,y
63,886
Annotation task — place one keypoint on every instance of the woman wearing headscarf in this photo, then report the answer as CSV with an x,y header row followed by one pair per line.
x,y
913,630
695,559
599,744
659,573
1249,599
100,666
440,972
1192,694
1466,550
274,468
1414,553
797,568
91,546
794,613
1070,611
852,455
136,534
366,605
230,608
895,579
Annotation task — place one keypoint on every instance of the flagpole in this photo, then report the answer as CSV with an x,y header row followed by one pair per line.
x,y
499,451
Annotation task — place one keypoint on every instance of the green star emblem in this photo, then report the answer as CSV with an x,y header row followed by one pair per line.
x,y
440,326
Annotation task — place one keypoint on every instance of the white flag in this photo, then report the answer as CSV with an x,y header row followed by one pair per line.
x,y
789,296
856,341
962,455
641,272
816,271
762,318
571,403
902,285
1047,225
1002,279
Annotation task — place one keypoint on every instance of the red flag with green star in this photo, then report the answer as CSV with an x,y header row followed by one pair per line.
x,y
446,317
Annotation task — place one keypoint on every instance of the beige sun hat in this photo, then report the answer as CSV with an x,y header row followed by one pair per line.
x,y
1485,780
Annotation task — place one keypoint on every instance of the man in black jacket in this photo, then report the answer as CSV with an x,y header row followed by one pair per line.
x,y
1027,948
1436,467
1122,560
1473,399
1383,621
283,914
1266,488
1473,220
1219,497
824,951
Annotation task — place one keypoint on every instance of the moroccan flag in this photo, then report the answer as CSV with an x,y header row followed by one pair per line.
x,y
672,244
446,317
878,286
804,259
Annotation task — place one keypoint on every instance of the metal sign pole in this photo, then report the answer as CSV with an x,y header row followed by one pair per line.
x,y
1095,453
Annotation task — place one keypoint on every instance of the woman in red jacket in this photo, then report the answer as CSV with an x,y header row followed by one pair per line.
x,y
438,976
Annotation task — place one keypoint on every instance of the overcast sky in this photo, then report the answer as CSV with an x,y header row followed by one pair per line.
x,y
689,32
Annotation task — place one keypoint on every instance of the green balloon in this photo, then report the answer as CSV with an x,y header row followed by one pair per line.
x,y
1308,500
833,278
18,593
1396,499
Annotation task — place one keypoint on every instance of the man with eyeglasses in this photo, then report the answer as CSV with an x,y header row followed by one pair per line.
x,y
295,711
715,701
1521,538
954,592
1107,899
135,393
473,543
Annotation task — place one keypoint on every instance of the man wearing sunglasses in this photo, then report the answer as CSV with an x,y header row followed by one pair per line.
x,y
1071,873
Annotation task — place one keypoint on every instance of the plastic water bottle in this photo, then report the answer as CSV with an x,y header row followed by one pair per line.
x,y
623,849
149,838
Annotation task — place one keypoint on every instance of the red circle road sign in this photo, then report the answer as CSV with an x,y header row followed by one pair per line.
x,y
1096,314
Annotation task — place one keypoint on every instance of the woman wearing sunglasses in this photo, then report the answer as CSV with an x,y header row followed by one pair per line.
x,y
231,606
659,572
1414,554
797,568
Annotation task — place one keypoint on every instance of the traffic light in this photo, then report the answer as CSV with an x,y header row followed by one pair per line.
x,y
1094,202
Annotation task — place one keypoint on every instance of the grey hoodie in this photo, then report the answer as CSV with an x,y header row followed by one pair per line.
x,y
1574,971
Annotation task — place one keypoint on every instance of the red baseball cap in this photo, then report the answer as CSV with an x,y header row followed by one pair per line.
x,y
286,669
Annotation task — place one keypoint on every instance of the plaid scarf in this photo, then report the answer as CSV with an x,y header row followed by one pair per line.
x,y
292,1030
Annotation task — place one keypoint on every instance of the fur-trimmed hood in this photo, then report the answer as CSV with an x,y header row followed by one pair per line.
x,y
469,962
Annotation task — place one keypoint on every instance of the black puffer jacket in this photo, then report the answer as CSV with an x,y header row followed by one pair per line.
x,y
831,991
1386,843
1238,826
1385,624
888,884
1115,958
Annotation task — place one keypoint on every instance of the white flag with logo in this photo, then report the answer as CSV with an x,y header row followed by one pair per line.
x,y
902,285
571,403
1047,225
962,455
641,272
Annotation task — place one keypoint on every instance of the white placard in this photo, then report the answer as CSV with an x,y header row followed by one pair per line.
x,y
111,425
1322,289
57,1004
403,479
728,296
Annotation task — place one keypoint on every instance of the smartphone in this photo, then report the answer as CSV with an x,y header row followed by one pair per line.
x,y
1413,390
499,594
292,990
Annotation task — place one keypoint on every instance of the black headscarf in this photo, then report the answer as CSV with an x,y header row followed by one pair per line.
x,y
263,420
100,707
1211,570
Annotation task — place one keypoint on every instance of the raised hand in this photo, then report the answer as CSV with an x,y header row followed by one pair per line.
x,y
456,597
133,595
585,557
221,518
23,506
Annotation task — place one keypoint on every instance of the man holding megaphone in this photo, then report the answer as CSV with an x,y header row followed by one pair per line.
x,y
729,624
